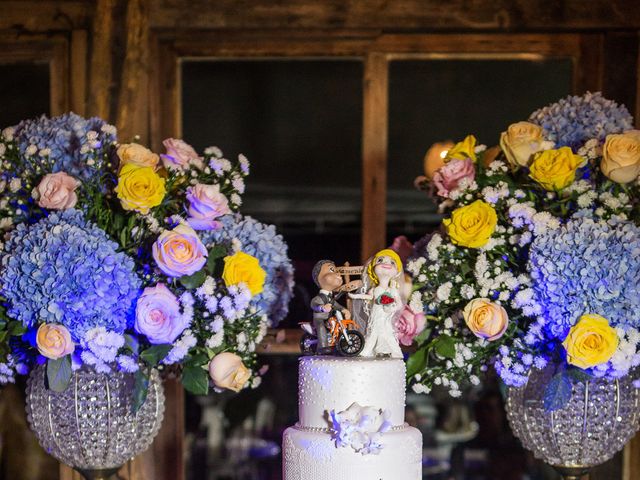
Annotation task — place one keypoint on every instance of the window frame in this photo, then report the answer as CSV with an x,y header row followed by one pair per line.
x,y
376,51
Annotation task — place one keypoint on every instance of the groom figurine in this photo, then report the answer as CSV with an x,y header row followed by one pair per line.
x,y
324,304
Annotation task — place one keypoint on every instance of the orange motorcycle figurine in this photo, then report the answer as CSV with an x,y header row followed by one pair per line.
x,y
342,334
331,325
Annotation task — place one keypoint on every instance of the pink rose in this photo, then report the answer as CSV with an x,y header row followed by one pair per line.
x,y
54,341
206,203
449,176
180,155
408,325
158,315
56,191
179,251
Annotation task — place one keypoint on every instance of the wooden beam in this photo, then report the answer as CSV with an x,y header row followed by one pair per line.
x,y
100,72
400,15
133,101
374,154
78,80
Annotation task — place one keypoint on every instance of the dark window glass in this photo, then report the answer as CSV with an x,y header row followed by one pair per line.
x,y
436,100
24,92
299,122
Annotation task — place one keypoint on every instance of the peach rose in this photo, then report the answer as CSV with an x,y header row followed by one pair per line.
x,y
621,157
136,154
485,319
57,191
227,371
54,341
179,252
521,141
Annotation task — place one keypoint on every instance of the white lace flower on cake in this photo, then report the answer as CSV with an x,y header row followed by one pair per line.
x,y
360,428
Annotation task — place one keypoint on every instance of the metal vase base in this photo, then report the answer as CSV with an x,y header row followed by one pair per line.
x,y
571,473
102,474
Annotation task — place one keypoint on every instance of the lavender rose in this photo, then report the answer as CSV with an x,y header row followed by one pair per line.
x,y
158,315
180,155
206,203
179,251
57,191
448,177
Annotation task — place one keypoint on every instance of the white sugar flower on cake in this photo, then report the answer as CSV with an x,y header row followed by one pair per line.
x,y
360,428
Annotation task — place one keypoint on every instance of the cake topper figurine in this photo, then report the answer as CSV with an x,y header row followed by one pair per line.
x,y
381,303
332,322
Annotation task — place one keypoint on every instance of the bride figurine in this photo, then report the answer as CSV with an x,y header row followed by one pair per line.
x,y
381,302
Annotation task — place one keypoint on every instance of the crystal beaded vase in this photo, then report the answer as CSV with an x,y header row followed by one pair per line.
x,y
598,421
90,426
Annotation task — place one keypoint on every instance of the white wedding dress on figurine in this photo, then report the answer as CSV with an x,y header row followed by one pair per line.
x,y
380,339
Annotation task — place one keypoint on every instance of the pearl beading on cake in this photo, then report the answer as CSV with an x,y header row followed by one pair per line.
x,y
297,426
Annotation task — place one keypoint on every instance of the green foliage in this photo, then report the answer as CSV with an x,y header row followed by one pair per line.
x,y
59,373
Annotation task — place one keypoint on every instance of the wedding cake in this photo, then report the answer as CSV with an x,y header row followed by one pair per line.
x,y
351,422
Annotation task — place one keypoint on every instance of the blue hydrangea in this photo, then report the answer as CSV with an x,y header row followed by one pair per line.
x,y
269,248
587,266
575,119
65,136
65,270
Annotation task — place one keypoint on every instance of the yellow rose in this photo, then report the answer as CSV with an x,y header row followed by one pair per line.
x,y
54,341
520,142
140,188
243,268
621,157
473,225
133,153
591,342
435,158
485,319
555,169
227,371
463,149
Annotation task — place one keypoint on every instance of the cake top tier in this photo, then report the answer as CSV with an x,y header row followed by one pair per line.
x,y
335,383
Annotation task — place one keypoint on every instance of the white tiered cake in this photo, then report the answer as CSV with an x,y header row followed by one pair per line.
x,y
351,423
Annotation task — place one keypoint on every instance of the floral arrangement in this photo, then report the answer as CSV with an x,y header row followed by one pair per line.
x,y
262,241
113,258
360,428
536,264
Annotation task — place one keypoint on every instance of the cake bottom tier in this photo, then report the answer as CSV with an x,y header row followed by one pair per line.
x,y
314,456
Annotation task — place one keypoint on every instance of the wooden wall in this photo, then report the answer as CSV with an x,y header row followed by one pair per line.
x,y
118,59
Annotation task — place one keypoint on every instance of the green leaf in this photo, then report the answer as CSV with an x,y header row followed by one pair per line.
x,y
416,362
131,343
445,346
423,336
140,389
3,335
195,380
215,252
197,360
191,282
153,355
577,375
59,373
16,329
558,392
